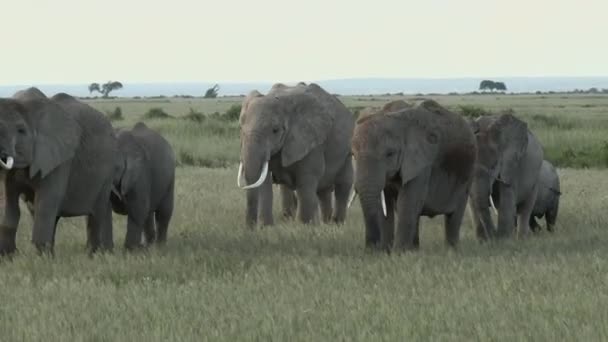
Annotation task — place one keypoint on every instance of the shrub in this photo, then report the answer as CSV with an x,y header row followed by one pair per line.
x,y
195,116
116,115
472,111
233,113
156,113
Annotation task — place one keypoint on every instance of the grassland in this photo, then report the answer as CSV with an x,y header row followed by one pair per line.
x,y
217,281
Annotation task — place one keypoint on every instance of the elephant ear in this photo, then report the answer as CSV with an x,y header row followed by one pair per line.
x,y
420,151
511,136
56,140
132,173
308,128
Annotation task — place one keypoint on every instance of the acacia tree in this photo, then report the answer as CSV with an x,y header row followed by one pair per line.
x,y
212,92
106,88
491,85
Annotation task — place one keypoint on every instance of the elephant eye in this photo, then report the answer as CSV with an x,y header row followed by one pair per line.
x,y
389,154
21,130
275,130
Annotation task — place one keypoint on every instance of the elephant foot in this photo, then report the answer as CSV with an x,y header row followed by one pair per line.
x,y
7,241
44,249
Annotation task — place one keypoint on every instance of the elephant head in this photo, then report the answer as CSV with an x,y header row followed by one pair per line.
x,y
288,123
501,141
130,165
391,147
36,133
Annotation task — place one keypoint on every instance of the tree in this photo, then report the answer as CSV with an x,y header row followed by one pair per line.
x,y
105,88
500,86
211,93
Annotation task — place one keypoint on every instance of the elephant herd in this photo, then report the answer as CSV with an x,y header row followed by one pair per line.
x,y
403,161
65,159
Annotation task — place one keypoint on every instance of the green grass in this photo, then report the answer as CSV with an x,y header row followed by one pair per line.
x,y
215,280
572,128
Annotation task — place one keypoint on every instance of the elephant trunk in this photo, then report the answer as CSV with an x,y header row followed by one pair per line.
x,y
253,168
480,195
369,185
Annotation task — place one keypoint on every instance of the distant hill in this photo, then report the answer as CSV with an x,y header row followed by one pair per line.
x,y
354,86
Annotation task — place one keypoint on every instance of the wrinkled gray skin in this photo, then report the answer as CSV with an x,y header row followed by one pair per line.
x,y
422,158
547,200
64,161
304,134
144,188
508,164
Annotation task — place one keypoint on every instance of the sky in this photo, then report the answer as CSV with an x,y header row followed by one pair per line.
x,y
82,41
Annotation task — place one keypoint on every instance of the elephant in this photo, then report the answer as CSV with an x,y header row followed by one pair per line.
x,y
60,153
547,200
297,137
509,159
144,188
414,161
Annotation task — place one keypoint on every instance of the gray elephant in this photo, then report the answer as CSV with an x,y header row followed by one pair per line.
x,y
415,161
144,188
547,200
298,137
61,154
508,163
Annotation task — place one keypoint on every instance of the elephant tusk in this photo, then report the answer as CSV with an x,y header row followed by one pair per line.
x,y
351,197
257,183
383,202
9,163
493,206
115,191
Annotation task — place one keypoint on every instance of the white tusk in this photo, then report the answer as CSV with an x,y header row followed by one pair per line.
x,y
351,197
493,206
383,202
256,184
9,163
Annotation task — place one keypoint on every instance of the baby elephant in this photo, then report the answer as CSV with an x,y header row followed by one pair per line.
x,y
547,200
144,185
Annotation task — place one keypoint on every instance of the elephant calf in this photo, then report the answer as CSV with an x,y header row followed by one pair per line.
x,y
547,200
143,189
415,161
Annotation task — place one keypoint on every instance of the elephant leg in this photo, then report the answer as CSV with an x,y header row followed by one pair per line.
x,y
525,213
453,222
251,212
534,226
308,203
289,202
150,230
47,203
134,232
163,216
326,205
12,214
266,199
409,203
342,191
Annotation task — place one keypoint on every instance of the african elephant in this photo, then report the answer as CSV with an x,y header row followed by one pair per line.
x,y
298,137
61,154
509,159
415,161
547,200
144,188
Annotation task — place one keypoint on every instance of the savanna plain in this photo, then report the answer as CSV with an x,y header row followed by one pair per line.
x,y
216,280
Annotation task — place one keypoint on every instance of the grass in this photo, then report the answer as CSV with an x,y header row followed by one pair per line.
x,y
572,128
217,281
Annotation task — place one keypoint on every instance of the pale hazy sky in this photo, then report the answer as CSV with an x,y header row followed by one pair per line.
x,y
72,41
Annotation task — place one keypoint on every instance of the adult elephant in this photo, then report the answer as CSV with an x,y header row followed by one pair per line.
x,y
144,191
62,154
417,161
298,137
509,159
